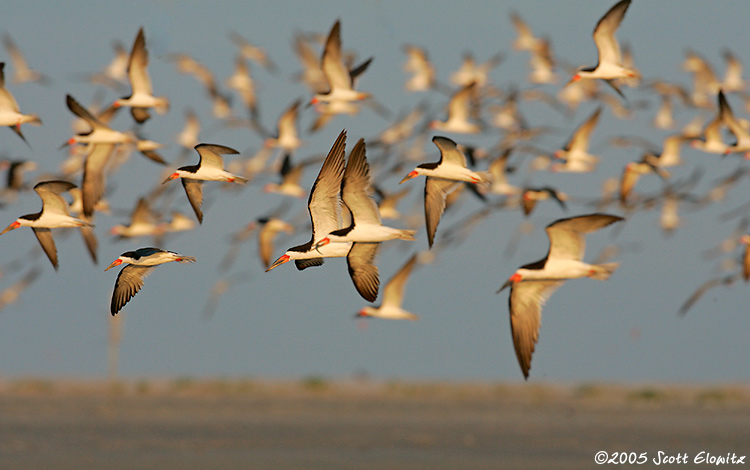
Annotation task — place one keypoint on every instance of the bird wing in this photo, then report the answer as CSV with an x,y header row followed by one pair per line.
x,y
393,293
525,302
449,151
92,244
435,192
76,108
727,117
44,235
93,186
194,191
7,101
362,269
211,154
128,283
566,236
356,188
137,66
460,103
580,138
324,203
287,125
49,192
604,33
332,63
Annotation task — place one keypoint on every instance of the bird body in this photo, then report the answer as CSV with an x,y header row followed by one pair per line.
x,y
532,284
610,65
393,296
55,213
324,205
210,167
140,263
442,179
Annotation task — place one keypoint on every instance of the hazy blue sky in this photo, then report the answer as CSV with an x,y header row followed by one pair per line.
x,y
288,323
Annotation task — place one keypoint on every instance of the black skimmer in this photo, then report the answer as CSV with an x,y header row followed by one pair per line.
x,y
14,180
93,185
55,213
712,141
291,175
366,229
324,205
531,196
188,65
115,73
142,97
210,167
610,66
22,72
576,151
312,75
356,192
705,83
422,70
340,78
140,263
100,132
242,82
633,172
10,113
498,169
442,179
460,113
143,223
393,296
733,81
525,39
287,136
532,284
188,137
471,72
542,64
270,228
252,52
388,202
735,127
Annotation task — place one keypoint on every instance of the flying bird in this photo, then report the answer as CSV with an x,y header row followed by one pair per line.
x,y
10,113
140,263
393,296
142,97
210,167
610,66
324,205
532,284
340,78
55,213
442,179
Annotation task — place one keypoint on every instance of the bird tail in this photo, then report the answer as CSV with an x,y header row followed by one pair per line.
x,y
601,272
407,234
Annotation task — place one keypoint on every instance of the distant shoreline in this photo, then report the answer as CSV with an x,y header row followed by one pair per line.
x,y
604,393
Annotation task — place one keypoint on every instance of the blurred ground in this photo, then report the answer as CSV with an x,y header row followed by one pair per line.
x,y
313,423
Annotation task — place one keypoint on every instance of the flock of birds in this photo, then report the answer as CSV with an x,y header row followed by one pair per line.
x,y
348,201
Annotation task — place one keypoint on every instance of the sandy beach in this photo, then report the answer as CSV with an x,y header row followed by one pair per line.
x,y
312,423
